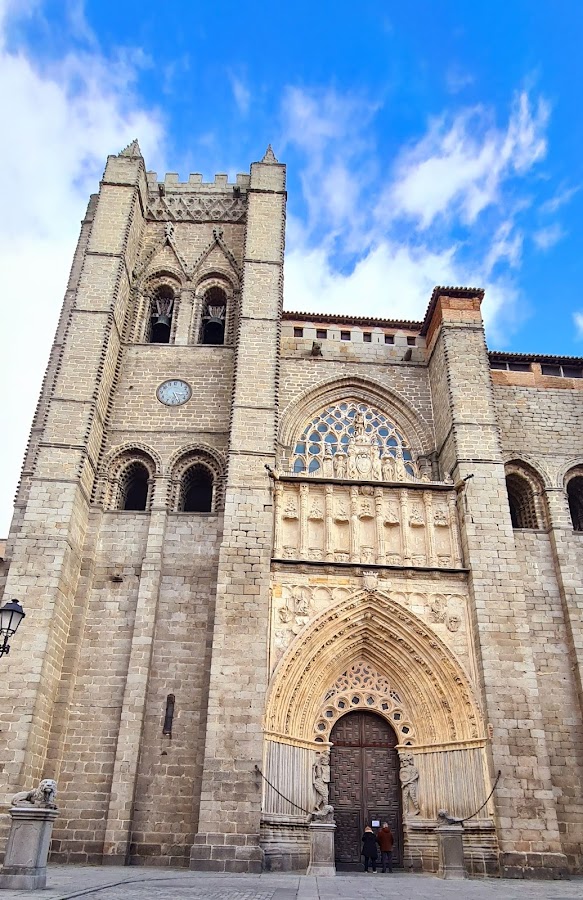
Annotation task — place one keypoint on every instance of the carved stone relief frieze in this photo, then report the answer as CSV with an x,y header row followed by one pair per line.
x,y
383,525
297,599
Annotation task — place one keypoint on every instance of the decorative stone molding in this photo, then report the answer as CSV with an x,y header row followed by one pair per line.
x,y
375,629
382,525
362,687
198,208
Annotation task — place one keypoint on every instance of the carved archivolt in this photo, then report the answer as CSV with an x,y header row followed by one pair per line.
x,y
370,627
362,687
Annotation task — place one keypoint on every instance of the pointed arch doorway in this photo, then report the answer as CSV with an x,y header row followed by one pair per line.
x,y
364,784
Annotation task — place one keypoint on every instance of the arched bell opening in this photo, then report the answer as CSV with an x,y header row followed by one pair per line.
x,y
214,317
162,308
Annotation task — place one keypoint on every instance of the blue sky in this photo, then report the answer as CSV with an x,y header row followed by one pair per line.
x,y
426,143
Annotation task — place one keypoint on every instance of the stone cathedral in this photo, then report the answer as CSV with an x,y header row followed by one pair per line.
x,y
287,567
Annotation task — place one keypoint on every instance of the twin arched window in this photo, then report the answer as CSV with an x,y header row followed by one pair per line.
x,y
196,482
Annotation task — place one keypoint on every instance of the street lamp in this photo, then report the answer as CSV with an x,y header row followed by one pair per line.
x,y
11,615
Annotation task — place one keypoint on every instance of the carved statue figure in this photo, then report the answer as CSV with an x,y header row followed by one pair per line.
x,y
301,600
328,462
340,464
388,466
409,776
42,796
453,622
290,510
321,780
401,472
377,471
416,517
440,517
359,425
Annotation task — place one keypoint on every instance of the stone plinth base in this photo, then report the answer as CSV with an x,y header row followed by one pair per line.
x,y
450,846
25,860
534,865
226,853
322,849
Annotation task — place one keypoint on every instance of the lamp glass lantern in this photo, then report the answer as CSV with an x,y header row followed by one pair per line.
x,y
11,615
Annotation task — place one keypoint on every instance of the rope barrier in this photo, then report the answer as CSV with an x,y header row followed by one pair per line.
x,y
273,788
467,818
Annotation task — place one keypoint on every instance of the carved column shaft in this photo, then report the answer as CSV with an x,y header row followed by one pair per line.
x,y
329,523
354,526
430,534
379,525
304,497
278,525
454,531
405,553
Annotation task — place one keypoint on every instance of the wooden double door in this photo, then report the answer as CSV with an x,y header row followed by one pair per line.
x,y
364,784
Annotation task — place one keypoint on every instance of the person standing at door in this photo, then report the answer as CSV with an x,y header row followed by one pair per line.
x,y
369,849
386,841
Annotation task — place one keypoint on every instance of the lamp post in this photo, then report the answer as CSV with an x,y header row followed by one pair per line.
x,y
11,615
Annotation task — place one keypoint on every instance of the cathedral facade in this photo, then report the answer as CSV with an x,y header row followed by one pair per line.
x,y
283,568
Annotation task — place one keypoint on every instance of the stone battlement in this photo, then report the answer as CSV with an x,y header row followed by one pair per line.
x,y
195,184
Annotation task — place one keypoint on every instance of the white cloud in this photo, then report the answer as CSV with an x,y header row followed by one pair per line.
x,y
458,168
64,119
506,246
242,95
563,196
578,320
456,79
545,238
343,258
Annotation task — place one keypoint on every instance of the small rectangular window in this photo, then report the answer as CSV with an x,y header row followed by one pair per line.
x,y
551,370
298,332
389,338
367,337
344,335
519,367
498,364
572,372
411,340
321,334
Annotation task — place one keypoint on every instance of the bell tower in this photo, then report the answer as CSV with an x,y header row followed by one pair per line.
x,y
143,492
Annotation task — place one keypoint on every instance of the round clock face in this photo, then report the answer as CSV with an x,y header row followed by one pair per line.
x,y
174,392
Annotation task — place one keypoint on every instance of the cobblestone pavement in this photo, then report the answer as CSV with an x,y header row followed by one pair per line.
x,y
113,883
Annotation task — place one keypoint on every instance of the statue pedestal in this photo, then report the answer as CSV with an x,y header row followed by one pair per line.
x,y
322,849
451,851
25,861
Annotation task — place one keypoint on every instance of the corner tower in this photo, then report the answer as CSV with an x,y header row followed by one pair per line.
x,y
155,421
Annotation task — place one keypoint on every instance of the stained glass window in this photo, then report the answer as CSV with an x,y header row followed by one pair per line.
x,y
332,429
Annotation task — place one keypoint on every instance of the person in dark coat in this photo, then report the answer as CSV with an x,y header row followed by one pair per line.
x,y
386,841
369,849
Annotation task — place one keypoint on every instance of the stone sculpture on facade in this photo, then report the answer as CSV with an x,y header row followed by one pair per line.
x,y
42,796
409,777
323,811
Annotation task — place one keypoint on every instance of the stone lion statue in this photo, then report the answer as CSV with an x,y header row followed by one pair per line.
x,y
42,796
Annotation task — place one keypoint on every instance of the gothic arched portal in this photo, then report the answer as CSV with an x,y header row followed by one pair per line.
x,y
364,783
